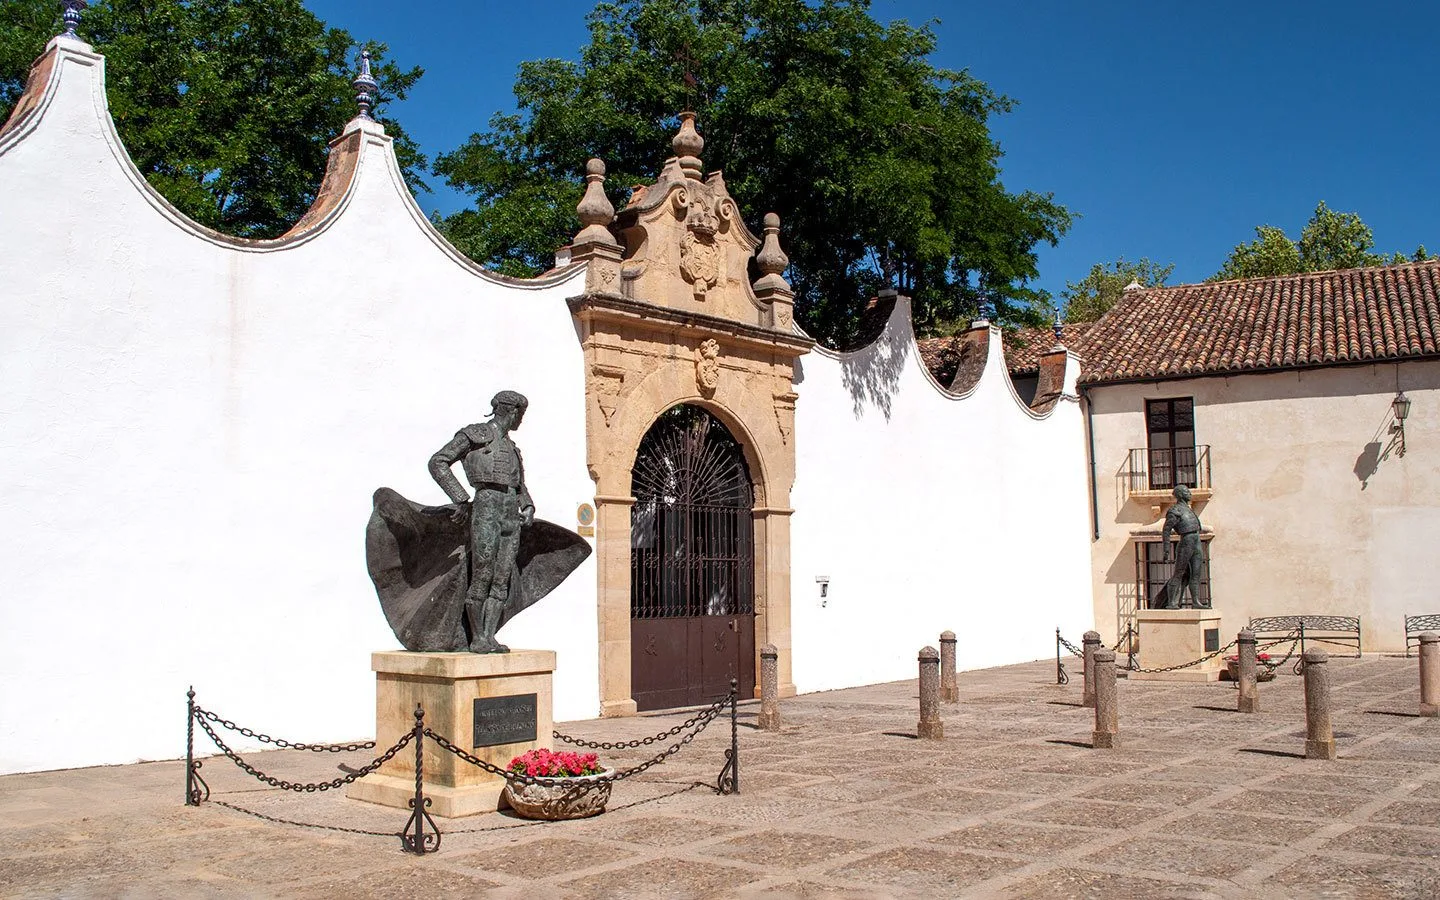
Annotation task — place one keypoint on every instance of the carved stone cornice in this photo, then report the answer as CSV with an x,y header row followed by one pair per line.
x,y
620,311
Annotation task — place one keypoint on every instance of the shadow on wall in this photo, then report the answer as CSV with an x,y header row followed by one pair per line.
x,y
871,369
1377,451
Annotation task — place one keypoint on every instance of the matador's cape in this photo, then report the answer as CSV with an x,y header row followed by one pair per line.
x,y
418,557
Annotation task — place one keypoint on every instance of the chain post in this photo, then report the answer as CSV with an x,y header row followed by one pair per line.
x,y
190,799
1059,667
1300,666
416,842
734,736
1130,646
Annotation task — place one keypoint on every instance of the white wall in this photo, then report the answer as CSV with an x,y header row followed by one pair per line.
x,y
191,429
929,511
1305,520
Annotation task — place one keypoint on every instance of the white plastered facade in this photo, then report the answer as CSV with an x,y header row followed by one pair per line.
x,y
1310,513
191,427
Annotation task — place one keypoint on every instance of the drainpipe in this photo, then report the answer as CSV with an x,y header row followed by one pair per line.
x,y
1094,488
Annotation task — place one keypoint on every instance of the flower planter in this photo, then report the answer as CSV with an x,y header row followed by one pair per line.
x,y
566,798
1262,671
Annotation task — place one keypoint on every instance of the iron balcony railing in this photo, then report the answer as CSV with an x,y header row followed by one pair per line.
x,y
1162,468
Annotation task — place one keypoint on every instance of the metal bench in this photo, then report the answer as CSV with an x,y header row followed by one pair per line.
x,y
1417,625
1341,631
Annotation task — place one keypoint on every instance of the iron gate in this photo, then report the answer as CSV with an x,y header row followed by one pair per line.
x,y
692,564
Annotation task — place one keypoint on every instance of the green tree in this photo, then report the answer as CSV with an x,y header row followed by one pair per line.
x,y
1092,296
1271,253
1330,240
226,106
881,166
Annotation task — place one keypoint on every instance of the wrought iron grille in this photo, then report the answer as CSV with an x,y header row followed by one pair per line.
x,y
692,542
1162,468
1152,573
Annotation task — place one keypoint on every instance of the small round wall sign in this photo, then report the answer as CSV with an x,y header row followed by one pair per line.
x,y
585,515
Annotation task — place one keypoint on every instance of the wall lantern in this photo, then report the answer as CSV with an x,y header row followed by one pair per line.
x,y
1401,405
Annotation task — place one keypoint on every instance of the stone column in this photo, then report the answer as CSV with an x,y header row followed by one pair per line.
x,y
930,727
1249,685
1319,736
949,688
1107,701
1088,645
769,689
1430,674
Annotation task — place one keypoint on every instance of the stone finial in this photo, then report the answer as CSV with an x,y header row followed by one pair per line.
x,y
1059,328
71,16
595,210
365,87
771,259
1089,643
687,144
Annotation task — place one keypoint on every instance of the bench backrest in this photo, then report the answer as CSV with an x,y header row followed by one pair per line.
x,y
1347,624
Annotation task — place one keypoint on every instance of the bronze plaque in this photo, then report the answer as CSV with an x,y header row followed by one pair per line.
x,y
504,720
1212,640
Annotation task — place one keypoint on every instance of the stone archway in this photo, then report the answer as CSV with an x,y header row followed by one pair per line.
x,y
692,563
669,316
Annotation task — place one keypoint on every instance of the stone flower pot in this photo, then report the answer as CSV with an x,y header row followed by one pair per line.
x,y
566,798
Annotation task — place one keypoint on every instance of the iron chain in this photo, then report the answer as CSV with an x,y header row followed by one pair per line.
x,y
280,821
1193,662
301,787
281,742
641,742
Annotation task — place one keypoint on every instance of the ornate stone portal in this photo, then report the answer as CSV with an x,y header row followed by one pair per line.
x,y
669,316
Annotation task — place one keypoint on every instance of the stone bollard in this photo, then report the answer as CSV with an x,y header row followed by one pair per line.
x,y
1249,684
930,727
1088,645
949,687
769,689
1430,674
1107,702
1319,736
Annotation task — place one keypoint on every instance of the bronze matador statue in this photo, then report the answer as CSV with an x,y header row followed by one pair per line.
x,y
1181,519
450,576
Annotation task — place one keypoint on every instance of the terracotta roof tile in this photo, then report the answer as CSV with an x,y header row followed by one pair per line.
x,y
1292,321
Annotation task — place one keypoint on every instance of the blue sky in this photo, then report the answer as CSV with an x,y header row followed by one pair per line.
x,y
1172,129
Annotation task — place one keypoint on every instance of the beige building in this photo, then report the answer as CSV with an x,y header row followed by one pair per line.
x,y
1275,401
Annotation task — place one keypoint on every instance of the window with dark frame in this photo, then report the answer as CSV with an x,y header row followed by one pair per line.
x,y
1152,573
1170,442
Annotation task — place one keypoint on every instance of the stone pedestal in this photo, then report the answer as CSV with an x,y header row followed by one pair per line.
x,y
447,686
1169,637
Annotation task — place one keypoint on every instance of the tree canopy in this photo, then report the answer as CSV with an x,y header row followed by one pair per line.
x,y
881,166
226,106
1092,296
1330,240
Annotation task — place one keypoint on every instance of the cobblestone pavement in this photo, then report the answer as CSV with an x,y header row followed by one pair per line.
x,y
1200,801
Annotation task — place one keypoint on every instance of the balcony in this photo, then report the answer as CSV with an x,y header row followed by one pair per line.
x,y
1151,474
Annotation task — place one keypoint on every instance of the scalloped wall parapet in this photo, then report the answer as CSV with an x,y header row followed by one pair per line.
x,y
192,425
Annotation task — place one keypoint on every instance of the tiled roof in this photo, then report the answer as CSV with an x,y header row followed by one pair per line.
x,y
1292,321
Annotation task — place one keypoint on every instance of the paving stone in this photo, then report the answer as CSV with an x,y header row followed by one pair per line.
x,y
924,868
661,831
415,880
547,855
1326,806
1409,812
1150,793
785,850
1061,884
1089,813
1361,878
1160,856
1390,841
1014,837
1274,830
663,878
